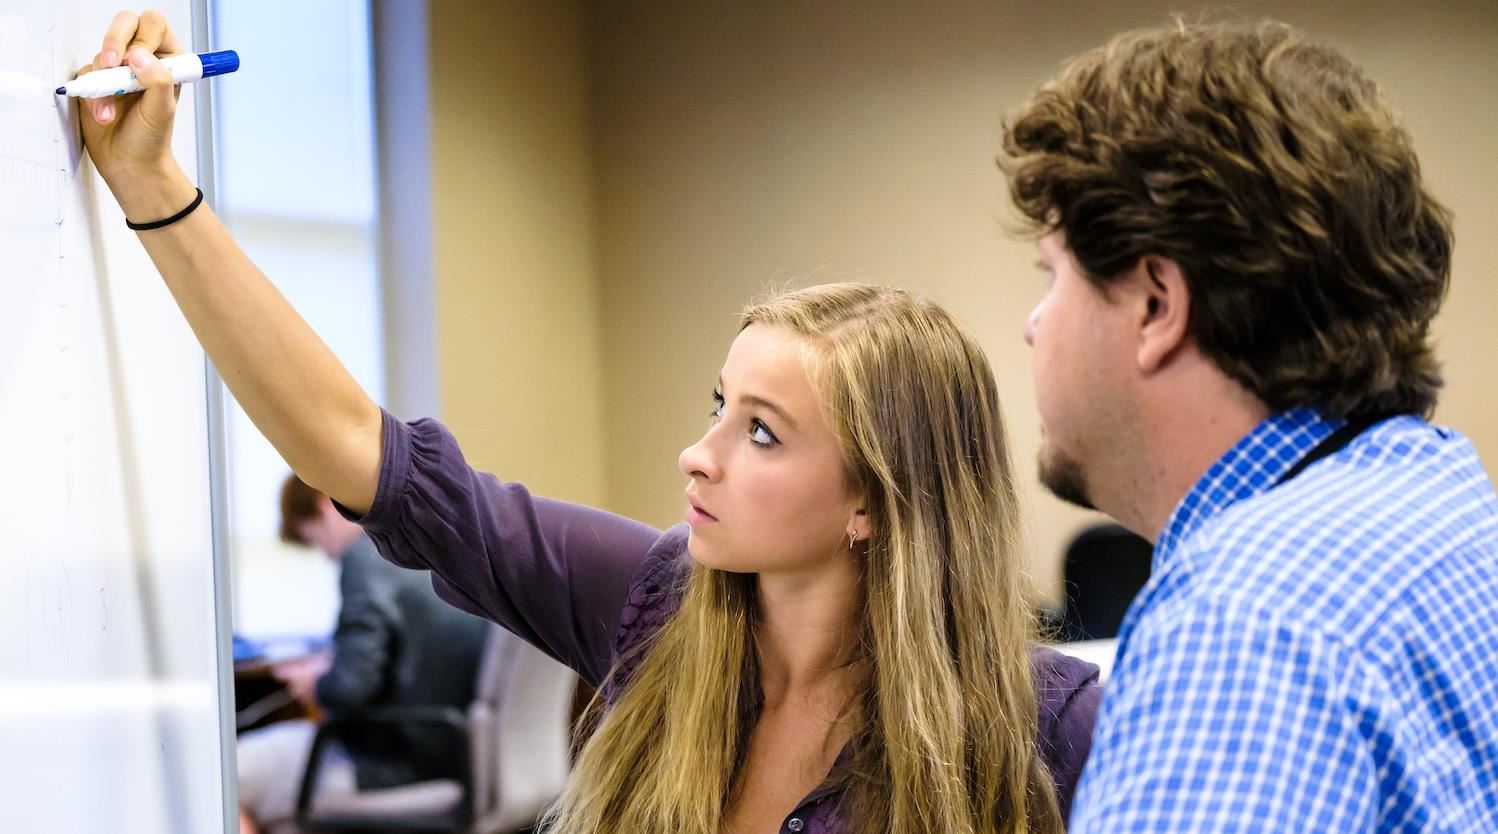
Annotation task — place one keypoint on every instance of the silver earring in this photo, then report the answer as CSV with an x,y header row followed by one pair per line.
x,y
852,537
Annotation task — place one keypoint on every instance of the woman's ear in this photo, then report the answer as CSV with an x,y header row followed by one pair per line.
x,y
858,525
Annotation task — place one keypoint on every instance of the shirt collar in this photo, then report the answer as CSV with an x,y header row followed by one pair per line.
x,y
1251,467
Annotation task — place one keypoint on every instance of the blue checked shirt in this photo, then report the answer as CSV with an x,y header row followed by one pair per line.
x,y
1318,656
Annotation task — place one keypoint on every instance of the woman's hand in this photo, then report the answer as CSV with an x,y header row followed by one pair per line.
x,y
129,137
292,387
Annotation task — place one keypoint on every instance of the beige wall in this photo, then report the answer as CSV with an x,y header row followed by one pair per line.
x,y
513,232
740,145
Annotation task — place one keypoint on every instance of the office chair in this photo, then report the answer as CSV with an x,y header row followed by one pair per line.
x,y
1105,566
516,735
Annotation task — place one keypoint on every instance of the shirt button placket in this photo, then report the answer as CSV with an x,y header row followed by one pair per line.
x,y
794,825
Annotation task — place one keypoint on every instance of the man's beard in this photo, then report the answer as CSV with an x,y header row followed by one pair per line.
x,y
1063,477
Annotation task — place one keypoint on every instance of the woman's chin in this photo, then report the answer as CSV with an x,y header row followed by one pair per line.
x,y
713,556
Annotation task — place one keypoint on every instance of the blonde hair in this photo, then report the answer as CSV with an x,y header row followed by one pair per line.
x,y
946,720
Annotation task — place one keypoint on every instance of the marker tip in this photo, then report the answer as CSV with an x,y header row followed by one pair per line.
x,y
62,91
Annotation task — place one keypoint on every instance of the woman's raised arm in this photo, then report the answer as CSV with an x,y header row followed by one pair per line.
x,y
289,383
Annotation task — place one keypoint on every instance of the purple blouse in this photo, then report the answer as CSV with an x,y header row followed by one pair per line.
x,y
584,585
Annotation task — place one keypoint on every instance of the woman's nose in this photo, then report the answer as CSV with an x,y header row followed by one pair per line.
x,y
697,461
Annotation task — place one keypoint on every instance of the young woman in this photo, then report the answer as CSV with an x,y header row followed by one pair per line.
x,y
835,641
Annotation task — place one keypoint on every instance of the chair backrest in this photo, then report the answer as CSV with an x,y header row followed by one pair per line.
x,y
1105,567
520,728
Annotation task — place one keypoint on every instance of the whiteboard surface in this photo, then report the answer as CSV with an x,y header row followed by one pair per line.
x,y
110,693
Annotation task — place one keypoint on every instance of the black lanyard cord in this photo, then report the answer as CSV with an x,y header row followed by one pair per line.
x,y
1332,444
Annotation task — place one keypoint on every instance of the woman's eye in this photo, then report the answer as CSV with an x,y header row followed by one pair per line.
x,y
718,402
761,435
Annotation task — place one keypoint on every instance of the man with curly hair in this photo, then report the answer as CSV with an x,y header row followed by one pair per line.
x,y
1233,359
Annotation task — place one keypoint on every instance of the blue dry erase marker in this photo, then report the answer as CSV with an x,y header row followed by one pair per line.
x,y
116,81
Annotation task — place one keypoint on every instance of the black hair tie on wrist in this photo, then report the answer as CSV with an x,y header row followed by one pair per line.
x,y
146,227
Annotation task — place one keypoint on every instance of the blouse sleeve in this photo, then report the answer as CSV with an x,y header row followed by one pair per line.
x,y
556,574
1068,695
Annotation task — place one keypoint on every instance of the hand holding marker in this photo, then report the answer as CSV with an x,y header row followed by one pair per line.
x,y
120,80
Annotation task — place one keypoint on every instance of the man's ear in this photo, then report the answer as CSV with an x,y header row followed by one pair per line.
x,y
1166,312
325,506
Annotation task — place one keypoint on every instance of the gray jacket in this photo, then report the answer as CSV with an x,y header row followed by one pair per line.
x,y
397,644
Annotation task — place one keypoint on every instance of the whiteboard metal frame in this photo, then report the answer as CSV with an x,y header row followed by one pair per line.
x,y
218,482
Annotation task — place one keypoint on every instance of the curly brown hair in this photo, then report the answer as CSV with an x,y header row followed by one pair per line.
x,y
1270,169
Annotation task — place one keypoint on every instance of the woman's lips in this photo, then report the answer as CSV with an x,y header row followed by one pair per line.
x,y
698,516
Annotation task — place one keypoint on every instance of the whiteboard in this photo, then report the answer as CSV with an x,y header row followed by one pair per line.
x,y
114,683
